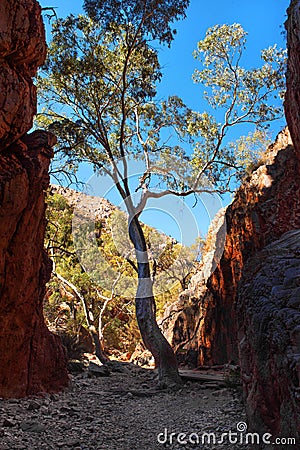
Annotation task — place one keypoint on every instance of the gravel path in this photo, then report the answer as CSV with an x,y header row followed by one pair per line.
x,y
122,411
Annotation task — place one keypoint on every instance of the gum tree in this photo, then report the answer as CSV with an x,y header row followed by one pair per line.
x,y
99,86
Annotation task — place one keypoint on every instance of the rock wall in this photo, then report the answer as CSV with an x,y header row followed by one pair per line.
x,y
22,50
268,318
292,97
268,314
32,360
201,325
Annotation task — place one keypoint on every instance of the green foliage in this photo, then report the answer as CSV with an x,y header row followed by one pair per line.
x,y
100,86
245,93
59,226
98,89
150,18
177,264
250,151
63,311
243,96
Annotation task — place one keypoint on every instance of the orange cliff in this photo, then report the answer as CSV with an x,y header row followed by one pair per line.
x,y
32,360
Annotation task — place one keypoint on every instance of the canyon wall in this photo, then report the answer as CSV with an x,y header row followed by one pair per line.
x,y
268,318
32,360
268,314
202,325
292,96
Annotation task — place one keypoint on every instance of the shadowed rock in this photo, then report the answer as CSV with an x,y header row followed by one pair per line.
x,y
269,337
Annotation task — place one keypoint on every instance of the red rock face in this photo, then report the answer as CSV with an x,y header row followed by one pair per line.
x,y
292,98
32,359
22,50
268,317
265,207
203,326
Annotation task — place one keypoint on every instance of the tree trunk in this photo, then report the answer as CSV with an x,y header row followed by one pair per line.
x,y
153,338
99,350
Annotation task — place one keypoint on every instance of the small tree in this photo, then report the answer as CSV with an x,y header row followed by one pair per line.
x,y
59,245
100,88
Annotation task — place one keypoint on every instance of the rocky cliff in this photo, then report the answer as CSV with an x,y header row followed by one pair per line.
x,y
32,360
22,50
292,97
202,325
268,318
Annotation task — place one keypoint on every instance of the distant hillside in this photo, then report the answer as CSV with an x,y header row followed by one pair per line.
x,y
90,206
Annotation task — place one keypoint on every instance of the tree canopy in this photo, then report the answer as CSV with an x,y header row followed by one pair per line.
x,y
148,19
100,94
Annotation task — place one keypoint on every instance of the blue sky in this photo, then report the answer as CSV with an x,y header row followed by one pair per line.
x,y
262,19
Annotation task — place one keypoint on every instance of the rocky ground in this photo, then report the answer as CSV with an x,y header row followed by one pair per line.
x,y
122,410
